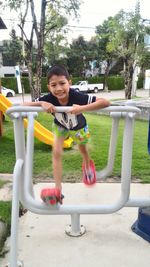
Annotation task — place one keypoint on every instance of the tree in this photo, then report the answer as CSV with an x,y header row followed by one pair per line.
x,y
12,51
56,44
106,56
76,56
39,30
80,54
127,42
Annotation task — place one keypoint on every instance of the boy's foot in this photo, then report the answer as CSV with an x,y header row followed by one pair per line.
x,y
89,177
52,196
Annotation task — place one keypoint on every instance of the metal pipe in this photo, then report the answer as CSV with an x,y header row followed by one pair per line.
x,y
15,214
35,205
67,109
112,151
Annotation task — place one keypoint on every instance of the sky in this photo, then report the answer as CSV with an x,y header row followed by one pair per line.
x,y
92,13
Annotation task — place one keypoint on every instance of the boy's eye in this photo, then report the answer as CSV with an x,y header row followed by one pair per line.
x,y
62,83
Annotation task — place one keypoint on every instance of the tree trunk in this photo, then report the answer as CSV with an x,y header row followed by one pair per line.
x,y
128,82
106,78
40,46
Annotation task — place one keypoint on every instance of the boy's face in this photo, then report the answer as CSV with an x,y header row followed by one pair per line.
x,y
59,87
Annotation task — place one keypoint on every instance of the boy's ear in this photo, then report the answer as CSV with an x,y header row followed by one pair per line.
x,y
70,82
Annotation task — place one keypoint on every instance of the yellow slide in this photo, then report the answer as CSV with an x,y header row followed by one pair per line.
x,y
40,131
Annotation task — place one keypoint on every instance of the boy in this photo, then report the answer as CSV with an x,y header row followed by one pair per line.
x,y
67,124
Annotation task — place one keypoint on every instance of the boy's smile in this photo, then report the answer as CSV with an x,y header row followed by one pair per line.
x,y
59,87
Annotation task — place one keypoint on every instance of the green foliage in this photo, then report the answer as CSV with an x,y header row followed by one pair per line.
x,y
9,83
53,47
5,216
140,82
115,83
96,79
76,79
25,85
44,85
5,212
12,51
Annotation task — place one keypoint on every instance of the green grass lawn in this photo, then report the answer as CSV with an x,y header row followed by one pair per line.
x,y
100,128
5,216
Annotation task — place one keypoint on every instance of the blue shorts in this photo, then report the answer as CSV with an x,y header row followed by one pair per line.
x,y
79,136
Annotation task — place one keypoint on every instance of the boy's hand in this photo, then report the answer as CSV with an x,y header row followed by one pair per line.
x,y
48,107
76,109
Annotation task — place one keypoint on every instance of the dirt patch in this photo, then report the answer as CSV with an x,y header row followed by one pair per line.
x,y
76,178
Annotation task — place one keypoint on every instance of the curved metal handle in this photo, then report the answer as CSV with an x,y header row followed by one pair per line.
x,y
67,109
15,109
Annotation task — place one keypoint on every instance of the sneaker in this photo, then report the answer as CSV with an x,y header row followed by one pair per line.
x,y
89,177
51,196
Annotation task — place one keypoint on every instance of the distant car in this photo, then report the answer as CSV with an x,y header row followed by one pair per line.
x,y
7,92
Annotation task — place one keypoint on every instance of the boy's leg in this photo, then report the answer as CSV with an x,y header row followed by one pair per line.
x,y
85,155
88,166
57,160
53,195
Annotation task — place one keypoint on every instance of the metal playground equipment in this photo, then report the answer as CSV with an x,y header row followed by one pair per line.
x,y
23,190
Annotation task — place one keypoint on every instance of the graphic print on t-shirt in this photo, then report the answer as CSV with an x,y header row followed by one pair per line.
x,y
68,120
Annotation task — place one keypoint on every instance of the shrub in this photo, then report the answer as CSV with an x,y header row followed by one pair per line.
x,y
9,83
140,82
115,83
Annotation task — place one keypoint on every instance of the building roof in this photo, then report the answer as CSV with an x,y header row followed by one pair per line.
x,y
2,24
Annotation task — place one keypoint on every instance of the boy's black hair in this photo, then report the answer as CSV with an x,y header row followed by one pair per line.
x,y
58,70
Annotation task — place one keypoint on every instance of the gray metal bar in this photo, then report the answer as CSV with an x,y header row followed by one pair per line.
x,y
15,214
112,151
67,109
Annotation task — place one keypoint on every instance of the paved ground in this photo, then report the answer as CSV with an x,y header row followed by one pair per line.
x,y
108,242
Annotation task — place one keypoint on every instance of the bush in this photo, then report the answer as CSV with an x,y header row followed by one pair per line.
x,y
5,216
115,83
44,85
140,83
25,85
10,83
76,79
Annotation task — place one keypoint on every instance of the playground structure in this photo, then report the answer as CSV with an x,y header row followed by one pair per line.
x,y
23,190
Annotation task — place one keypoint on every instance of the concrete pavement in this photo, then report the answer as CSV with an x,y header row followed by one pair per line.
x,y
108,241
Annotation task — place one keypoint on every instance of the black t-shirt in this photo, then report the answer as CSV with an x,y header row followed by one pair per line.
x,y
67,120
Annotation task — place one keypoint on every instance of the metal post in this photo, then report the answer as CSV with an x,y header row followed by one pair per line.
x,y
127,153
112,151
75,229
15,215
17,188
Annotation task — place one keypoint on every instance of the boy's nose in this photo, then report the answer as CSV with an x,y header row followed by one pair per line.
x,y
58,88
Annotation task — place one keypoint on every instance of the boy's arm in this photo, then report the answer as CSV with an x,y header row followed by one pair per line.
x,y
98,104
48,107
